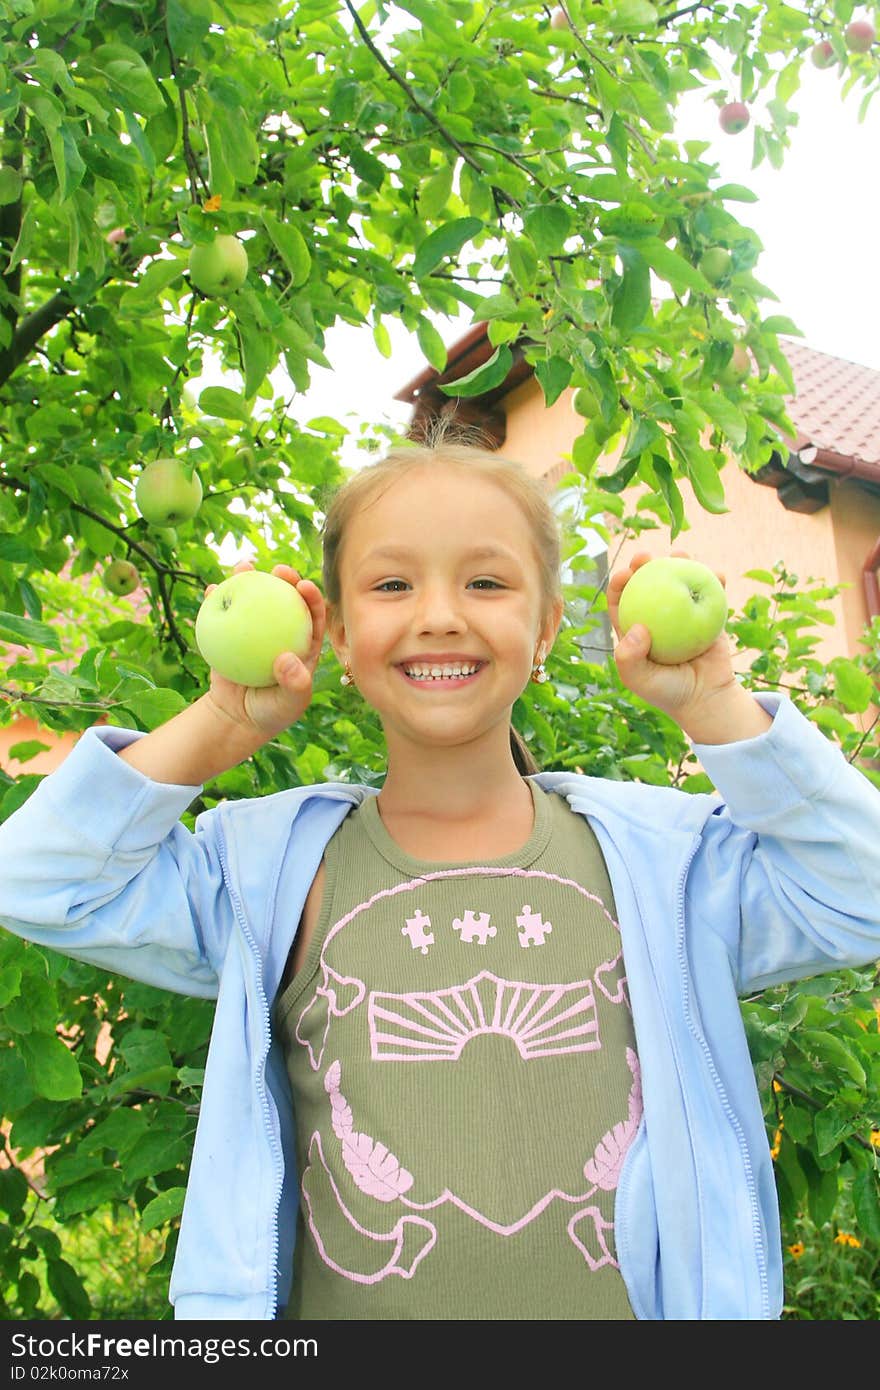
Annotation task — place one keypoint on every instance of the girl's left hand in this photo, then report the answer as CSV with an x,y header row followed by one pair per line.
x,y
683,691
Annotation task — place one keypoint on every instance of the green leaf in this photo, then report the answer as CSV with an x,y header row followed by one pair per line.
x,y
445,241
431,343
553,375
548,226
631,299
523,262
10,184
224,404
705,479
155,706
291,245
736,193
724,414
672,267
491,374
436,192
51,1066
866,1200
156,278
68,1288
157,1152
164,1208
28,633
10,984
93,1191
853,687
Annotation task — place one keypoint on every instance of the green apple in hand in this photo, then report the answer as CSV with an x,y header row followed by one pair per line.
x,y
165,495
681,603
249,620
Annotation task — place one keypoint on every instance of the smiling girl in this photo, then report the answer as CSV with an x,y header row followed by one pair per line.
x,y
477,1050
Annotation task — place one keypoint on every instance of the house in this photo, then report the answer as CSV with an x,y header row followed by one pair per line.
x,y
815,506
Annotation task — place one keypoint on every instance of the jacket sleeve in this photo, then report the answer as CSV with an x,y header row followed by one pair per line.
x,y
97,864
801,828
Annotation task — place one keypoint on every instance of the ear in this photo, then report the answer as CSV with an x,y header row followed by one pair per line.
x,y
337,635
551,627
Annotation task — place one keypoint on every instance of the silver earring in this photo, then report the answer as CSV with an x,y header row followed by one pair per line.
x,y
346,678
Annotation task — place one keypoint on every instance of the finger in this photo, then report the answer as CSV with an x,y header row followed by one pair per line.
x,y
287,572
632,650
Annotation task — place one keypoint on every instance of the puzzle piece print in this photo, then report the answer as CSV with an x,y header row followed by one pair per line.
x,y
419,938
532,929
474,927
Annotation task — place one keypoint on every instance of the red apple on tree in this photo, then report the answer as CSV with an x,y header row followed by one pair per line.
x,y
734,117
822,54
218,267
859,35
121,577
559,19
165,494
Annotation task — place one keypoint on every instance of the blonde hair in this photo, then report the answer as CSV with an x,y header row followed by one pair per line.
x,y
446,444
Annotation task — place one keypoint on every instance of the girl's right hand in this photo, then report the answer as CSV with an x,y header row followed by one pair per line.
x,y
269,710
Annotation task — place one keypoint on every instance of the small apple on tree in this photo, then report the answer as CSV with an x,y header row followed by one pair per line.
x,y
734,117
822,54
681,602
165,494
737,368
245,623
859,35
121,577
715,264
218,267
559,19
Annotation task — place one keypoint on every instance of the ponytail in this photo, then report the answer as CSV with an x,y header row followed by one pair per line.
x,y
525,763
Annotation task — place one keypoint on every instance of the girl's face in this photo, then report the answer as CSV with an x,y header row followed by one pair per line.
x,y
415,588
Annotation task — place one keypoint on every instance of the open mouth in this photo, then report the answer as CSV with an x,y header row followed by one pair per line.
x,y
442,682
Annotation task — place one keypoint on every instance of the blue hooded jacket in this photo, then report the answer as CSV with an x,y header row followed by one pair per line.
x,y
774,877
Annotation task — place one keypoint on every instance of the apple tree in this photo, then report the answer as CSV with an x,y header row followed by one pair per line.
x,y
207,187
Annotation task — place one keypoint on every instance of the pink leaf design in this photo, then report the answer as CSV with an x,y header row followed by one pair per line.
x,y
604,1167
375,1171
333,1078
341,1116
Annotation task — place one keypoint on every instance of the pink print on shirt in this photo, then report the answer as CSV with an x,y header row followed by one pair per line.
x,y
436,1026
342,994
378,1173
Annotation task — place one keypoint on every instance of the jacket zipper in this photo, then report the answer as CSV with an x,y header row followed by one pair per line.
x,y
274,1145
728,1109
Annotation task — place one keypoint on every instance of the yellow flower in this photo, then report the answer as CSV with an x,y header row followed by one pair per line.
x,y
776,1086
844,1238
797,1249
777,1140
875,1138
213,203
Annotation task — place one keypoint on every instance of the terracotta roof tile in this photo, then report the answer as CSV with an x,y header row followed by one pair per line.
x,y
837,403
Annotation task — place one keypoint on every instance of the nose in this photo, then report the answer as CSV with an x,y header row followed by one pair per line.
x,y
439,609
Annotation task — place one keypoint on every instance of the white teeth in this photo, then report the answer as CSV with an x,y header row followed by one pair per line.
x,y
439,672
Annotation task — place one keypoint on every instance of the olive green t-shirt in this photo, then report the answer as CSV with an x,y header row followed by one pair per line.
x,y
465,1081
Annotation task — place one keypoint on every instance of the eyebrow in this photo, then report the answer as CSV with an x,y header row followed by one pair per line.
x,y
403,552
